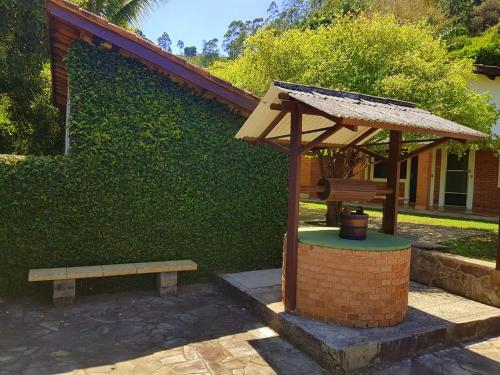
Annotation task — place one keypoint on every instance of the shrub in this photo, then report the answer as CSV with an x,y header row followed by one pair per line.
x,y
154,173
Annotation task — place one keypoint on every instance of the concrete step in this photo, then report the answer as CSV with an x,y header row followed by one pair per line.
x,y
435,319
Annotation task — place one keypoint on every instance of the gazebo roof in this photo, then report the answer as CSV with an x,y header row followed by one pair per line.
x,y
362,113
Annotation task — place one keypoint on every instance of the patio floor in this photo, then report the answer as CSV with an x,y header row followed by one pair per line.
x,y
199,331
435,318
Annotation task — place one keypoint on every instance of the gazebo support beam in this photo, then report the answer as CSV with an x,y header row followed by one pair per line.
x,y
303,133
320,138
275,145
370,153
390,218
271,126
363,136
289,106
428,147
294,156
498,245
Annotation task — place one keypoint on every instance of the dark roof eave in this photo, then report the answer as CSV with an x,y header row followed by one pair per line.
x,y
223,90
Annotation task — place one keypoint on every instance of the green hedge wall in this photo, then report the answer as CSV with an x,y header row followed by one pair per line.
x,y
154,173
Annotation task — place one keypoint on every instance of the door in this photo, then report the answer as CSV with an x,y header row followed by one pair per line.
x,y
457,173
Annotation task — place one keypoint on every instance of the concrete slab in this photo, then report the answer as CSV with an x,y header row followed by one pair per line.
x,y
435,318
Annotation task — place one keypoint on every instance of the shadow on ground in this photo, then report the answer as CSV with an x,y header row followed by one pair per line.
x,y
198,331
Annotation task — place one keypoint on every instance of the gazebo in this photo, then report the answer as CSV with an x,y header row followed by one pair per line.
x,y
296,119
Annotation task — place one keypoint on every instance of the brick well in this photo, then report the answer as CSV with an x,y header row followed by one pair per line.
x,y
353,288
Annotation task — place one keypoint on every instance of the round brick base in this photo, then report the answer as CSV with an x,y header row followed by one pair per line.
x,y
353,288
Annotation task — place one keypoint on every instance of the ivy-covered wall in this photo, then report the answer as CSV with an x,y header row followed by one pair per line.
x,y
154,173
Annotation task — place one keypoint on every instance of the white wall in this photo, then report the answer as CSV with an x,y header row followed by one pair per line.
x,y
483,84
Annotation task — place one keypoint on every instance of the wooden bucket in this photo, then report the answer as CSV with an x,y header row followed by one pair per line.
x,y
353,226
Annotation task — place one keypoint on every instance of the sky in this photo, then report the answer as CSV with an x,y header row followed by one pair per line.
x,y
194,20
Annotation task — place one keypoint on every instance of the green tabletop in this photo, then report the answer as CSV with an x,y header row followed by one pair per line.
x,y
329,237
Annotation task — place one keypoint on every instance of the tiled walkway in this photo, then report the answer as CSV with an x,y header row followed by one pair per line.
x,y
481,357
198,332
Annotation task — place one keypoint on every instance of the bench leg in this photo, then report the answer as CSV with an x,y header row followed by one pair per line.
x,y
166,282
64,292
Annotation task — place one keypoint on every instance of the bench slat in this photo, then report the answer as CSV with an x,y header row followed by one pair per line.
x,y
44,274
119,269
83,272
170,266
69,273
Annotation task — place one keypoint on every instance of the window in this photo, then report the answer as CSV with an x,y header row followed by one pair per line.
x,y
380,170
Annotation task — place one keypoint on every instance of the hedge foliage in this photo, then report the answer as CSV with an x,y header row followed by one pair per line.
x,y
154,173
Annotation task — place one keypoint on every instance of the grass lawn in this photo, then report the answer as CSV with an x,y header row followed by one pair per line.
x,y
479,247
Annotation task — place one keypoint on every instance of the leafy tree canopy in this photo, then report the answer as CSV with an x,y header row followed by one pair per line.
x,y
180,45
165,43
484,49
190,51
236,34
210,51
376,55
123,13
28,121
485,15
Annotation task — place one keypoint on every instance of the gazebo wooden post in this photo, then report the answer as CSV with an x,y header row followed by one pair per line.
x,y
498,245
390,218
290,261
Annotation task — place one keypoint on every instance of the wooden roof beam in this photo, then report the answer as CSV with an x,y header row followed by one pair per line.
x,y
361,138
320,138
277,146
370,153
428,147
271,126
291,106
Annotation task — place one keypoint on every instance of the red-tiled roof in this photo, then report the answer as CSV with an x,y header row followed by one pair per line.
x,y
68,22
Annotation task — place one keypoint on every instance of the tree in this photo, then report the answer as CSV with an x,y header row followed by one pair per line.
x,y
412,11
210,51
324,12
29,123
376,55
165,43
123,13
180,45
236,34
190,51
484,16
484,49
292,13
272,12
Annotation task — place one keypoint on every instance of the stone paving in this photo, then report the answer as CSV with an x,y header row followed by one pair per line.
x,y
482,357
435,318
199,331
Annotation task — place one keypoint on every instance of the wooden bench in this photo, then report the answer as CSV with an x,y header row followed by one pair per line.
x,y
64,278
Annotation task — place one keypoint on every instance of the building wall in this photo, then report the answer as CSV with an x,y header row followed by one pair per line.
x,y
486,182
423,183
483,84
437,178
